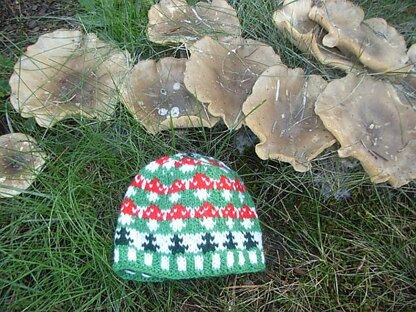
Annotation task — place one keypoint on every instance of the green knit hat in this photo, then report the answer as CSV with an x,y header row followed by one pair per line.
x,y
187,216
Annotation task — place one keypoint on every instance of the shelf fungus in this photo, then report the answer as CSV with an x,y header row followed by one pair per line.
x,y
67,73
293,20
20,162
377,45
174,21
222,75
280,111
373,125
156,96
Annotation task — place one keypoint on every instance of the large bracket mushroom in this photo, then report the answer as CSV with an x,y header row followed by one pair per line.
x,y
223,74
378,46
372,124
174,21
280,111
20,162
156,96
67,73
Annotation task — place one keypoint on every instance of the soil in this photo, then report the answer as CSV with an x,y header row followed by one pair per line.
x,y
27,19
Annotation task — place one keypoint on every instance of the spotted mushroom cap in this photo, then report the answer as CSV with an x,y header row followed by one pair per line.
x,y
280,111
377,45
67,73
223,74
372,123
156,96
174,21
293,19
20,162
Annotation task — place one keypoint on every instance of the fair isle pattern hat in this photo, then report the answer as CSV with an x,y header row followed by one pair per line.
x,y
187,216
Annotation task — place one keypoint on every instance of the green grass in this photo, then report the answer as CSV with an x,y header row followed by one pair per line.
x,y
324,251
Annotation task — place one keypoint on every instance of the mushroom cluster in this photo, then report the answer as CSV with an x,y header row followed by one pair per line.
x,y
20,162
240,81
67,73
336,33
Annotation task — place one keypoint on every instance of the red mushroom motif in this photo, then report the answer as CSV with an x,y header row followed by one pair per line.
x,y
162,160
247,213
201,181
239,186
138,181
207,210
225,184
177,185
153,213
229,211
127,207
178,212
156,186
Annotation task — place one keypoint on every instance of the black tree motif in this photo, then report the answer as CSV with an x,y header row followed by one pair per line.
x,y
208,245
249,243
124,238
150,244
177,246
229,244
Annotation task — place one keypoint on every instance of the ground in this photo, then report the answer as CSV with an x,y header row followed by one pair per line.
x,y
332,239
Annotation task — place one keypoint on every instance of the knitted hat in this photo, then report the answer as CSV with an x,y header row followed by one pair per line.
x,y
187,216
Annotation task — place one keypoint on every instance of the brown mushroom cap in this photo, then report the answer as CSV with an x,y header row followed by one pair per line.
x,y
174,21
293,19
377,45
406,84
411,53
280,111
341,18
67,73
223,74
372,124
20,162
410,80
156,95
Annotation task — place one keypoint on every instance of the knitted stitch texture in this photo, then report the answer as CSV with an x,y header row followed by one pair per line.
x,y
187,216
